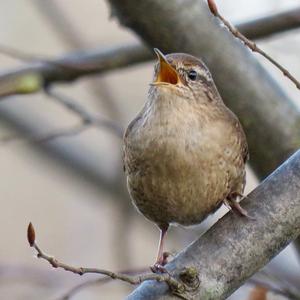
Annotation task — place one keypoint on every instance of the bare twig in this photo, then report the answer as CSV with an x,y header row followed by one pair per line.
x,y
36,58
187,281
20,54
65,29
86,117
73,66
76,289
67,132
250,44
60,133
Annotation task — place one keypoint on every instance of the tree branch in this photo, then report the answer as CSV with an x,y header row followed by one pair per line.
x,y
65,132
65,29
70,67
187,280
86,117
72,154
87,120
235,248
251,45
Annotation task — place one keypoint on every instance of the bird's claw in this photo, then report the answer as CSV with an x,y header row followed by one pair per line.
x,y
158,267
236,207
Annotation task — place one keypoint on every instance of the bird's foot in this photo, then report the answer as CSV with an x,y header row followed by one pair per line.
x,y
233,205
158,267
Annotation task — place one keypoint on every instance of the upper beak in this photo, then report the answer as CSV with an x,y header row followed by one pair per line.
x,y
166,74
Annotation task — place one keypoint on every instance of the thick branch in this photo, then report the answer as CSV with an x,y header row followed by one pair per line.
x,y
235,248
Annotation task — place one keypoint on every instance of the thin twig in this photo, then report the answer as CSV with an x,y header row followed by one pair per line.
x,y
60,133
132,279
76,289
250,44
86,117
67,132
176,286
64,28
20,54
34,58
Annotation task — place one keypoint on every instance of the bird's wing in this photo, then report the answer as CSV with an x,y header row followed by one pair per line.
x,y
126,142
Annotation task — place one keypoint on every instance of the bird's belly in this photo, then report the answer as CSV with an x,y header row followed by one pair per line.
x,y
178,190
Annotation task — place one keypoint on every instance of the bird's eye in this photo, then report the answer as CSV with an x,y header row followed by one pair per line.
x,y
192,74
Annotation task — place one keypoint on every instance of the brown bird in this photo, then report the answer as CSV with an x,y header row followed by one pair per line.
x,y
185,152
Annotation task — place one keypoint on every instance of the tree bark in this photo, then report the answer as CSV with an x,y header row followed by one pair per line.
x,y
235,248
271,120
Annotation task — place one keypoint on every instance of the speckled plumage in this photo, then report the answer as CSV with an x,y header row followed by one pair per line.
x,y
185,152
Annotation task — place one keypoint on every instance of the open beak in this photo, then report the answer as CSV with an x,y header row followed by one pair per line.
x,y
166,74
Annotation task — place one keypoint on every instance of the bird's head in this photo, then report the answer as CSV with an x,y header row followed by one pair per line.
x,y
184,75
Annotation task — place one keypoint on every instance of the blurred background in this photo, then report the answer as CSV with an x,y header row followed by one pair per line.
x,y
72,187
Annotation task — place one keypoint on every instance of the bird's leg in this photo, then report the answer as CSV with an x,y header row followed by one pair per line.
x,y
162,257
233,204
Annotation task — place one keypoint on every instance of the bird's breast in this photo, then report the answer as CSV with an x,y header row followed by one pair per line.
x,y
175,168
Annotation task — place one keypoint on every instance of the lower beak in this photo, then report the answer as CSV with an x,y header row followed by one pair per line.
x,y
166,74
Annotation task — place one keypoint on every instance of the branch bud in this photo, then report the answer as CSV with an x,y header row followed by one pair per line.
x,y
31,234
213,7
29,83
